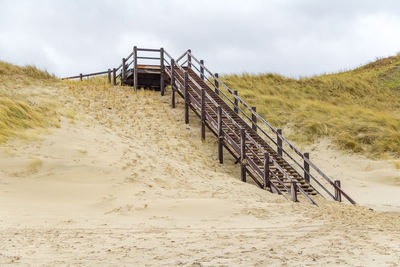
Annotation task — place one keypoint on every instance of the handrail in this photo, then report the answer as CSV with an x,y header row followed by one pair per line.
x,y
251,139
148,49
156,58
280,169
85,75
291,146
179,58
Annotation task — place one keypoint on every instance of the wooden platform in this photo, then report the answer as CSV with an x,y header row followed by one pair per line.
x,y
148,77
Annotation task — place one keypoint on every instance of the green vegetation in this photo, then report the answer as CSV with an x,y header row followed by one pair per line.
x,y
20,107
359,109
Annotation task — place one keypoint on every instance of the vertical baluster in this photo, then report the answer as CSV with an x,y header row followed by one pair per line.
x,y
203,115
306,168
235,101
123,72
279,141
186,97
338,195
220,136
135,73
243,154
189,60
81,76
173,83
114,76
162,87
267,182
109,76
216,83
253,119
202,69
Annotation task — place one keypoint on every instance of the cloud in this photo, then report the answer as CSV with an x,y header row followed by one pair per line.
x,y
294,38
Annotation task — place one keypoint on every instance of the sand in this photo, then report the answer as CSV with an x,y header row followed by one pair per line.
x,y
126,182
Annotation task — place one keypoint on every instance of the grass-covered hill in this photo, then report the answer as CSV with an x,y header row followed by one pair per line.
x,y
359,109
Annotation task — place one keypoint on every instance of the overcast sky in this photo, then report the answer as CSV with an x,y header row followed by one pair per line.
x,y
290,37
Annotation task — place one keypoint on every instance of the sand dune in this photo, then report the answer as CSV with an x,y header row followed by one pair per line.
x,y
127,183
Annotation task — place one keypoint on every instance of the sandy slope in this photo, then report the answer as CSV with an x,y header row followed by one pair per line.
x,y
127,183
372,183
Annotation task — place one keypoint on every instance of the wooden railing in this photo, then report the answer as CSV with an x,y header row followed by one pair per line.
x,y
178,72
183,88
283,146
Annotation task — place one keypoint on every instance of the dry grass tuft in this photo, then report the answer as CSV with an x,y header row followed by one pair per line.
x,y
20,107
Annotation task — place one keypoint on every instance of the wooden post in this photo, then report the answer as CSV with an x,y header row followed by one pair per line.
x,y
202,69
243,154
135,76
307,168
253,119
293,191
109,76
114,76
173,83
235,101
186,97
123,73
216,83
189,61
338,195
220,136
81,76
267,182
162,87
279,141
203,114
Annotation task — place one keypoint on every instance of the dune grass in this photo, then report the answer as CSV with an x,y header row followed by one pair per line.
x,y
359,109
18,110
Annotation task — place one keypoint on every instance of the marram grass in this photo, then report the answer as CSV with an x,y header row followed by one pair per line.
x,y
17,113
359,109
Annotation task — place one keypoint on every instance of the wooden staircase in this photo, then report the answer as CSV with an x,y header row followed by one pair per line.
x,y
232,128
264,154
